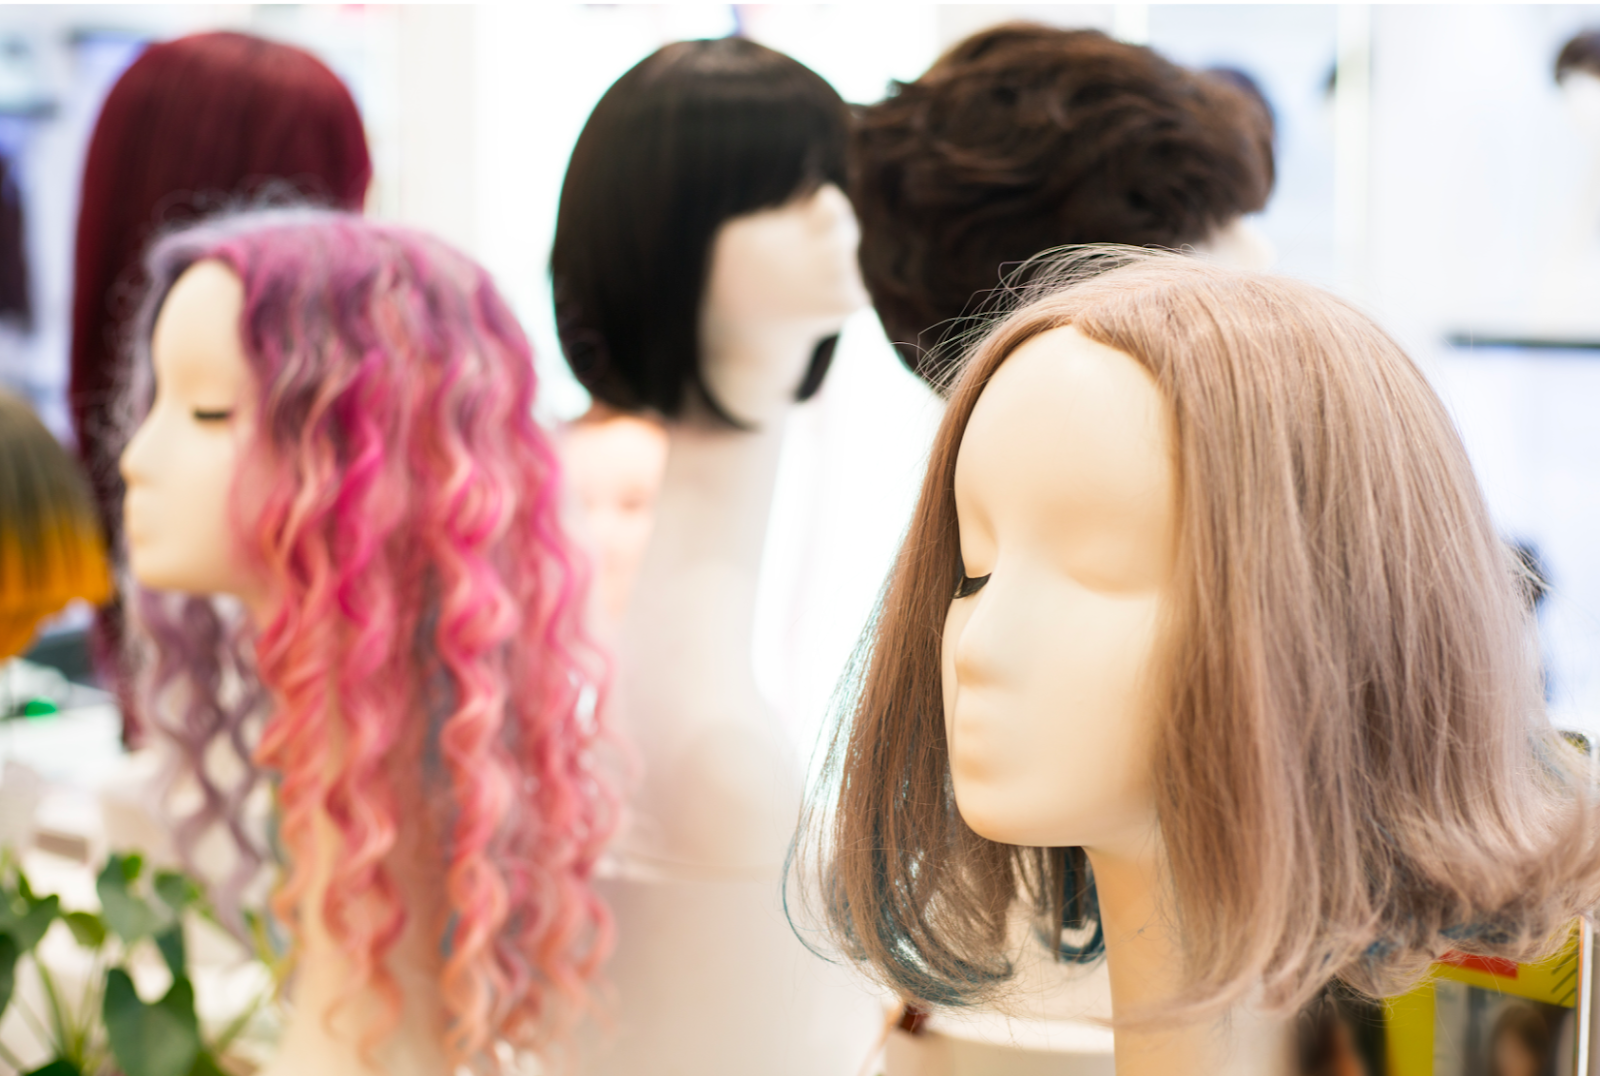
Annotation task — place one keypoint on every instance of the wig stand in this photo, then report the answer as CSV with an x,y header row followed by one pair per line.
x,y
1145,962
709,977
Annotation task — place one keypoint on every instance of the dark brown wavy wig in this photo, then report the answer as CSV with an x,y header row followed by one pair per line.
x,y
1022,138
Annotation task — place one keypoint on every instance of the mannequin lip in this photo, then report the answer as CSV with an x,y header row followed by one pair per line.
x,y
131,516
970,730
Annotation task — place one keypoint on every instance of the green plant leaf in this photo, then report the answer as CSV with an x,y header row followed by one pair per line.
x,y
58,1067
10,953
26,927
176,890
151,1040
206,1065
89,929
131,865
170,942
128,915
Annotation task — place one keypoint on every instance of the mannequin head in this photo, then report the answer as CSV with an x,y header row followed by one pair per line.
x,y
1519,1045
182,463
741,218
50,547
1300,662
614,464
1023,138
192,127
1578,75
391,522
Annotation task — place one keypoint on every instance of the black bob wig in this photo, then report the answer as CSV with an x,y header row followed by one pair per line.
x,y
694,134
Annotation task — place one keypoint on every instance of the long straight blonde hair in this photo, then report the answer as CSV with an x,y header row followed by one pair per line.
x,y
1355,773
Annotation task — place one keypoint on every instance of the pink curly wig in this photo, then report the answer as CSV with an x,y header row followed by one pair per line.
x,y
423,663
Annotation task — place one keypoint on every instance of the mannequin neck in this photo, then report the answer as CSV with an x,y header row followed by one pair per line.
x,y
716,490
721,790
327,1019
1145,960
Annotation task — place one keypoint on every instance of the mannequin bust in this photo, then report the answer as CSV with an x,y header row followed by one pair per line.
x,y
340,439
710,300
1209,678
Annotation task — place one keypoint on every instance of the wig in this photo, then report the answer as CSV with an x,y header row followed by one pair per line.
x,y
192,127
1022,138
423,654
1581,53
50,547
696,133
1354,773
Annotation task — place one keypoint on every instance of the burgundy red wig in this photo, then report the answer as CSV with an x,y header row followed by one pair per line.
x,y
193,126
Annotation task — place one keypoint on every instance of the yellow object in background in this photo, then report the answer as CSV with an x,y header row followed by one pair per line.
x,y
51,548
1478,1016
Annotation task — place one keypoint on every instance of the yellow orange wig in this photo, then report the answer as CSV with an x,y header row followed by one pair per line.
x,y
51,547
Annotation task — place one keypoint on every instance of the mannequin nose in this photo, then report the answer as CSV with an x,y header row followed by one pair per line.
x,y
972,642
132,463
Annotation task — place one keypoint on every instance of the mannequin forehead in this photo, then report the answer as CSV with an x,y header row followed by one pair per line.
x,y
195,346
1069,451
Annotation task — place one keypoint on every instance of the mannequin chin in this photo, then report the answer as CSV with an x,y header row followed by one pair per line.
x,y
781,280
180,465
1239,244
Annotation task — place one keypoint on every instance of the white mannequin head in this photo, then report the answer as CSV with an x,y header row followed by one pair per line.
x,y
182,532
1580,89
1239,244
1578,74
614,463
780,280
1047,664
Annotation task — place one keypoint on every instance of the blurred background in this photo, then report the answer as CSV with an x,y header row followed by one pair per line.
x,y
1430,168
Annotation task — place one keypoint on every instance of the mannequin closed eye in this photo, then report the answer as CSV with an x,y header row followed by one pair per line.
x,y
969,585
219,414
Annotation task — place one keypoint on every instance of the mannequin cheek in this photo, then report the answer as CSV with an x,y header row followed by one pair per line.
x,y
1050,723
955,619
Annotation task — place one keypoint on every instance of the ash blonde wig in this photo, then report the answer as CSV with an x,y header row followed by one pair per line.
x,y
1355,773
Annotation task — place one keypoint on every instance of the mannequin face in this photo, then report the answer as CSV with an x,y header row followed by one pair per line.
x,y
1581,91
614,466
1239,245
180,465
1513,1058
777,275
1066,495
